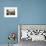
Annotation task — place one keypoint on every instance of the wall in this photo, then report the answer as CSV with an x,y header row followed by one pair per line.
x,y
29,12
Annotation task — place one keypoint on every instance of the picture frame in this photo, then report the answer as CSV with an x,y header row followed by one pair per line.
x,y
39,35
10,12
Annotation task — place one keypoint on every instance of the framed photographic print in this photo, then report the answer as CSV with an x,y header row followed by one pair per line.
x,y
10,12
33,32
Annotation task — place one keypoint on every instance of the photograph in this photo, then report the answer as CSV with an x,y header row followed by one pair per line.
x,y
10,12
